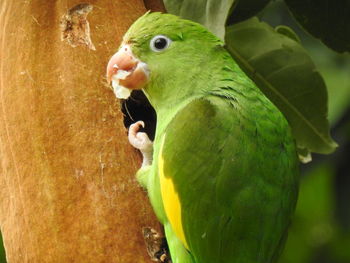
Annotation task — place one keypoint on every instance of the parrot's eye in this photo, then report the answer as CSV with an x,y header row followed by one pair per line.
x,y
160,43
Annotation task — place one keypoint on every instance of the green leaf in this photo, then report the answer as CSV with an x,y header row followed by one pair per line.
x,y
284,71
244,9
335,69
324,19
210,13
288,32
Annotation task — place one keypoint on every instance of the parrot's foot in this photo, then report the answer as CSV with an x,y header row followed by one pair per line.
x,y
141,142
156,244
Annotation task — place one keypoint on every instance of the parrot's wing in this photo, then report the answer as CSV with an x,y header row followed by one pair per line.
x,y
228,181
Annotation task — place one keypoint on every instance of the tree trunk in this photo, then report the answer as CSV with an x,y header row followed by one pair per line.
x,y
67,186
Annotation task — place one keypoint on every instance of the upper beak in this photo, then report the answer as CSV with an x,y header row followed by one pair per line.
x,y
126,71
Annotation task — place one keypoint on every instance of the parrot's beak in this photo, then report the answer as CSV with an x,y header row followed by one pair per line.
x,y
126,72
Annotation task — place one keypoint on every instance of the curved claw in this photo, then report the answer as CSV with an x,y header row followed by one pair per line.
x,y
141,141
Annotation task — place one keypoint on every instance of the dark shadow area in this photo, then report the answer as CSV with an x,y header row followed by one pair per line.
x,y
138,108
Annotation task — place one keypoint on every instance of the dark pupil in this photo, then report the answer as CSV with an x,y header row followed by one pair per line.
x,y
160,43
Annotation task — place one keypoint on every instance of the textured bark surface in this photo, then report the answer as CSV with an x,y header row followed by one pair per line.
x,y
67,186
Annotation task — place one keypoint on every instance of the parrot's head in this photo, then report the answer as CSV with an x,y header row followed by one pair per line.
x,y
161,54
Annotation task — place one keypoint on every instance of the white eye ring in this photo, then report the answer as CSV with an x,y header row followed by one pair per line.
x,y
160,43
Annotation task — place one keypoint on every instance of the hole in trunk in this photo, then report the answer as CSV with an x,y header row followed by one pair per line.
x,y
138,108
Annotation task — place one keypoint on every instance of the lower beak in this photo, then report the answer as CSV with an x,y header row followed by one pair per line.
x,y
126,72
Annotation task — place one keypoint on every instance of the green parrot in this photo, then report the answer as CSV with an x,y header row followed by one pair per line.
x,y
222,173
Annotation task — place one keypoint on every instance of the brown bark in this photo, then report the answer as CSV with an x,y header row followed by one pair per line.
x,y
67,186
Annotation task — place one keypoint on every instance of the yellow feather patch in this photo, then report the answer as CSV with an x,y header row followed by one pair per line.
x,y
171,199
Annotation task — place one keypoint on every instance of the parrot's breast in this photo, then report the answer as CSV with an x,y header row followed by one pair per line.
x,y
171,201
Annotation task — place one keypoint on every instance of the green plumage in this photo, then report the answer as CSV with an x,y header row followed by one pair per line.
x,y
227,149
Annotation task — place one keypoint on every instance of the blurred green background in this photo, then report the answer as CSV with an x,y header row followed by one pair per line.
x,y
320,231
